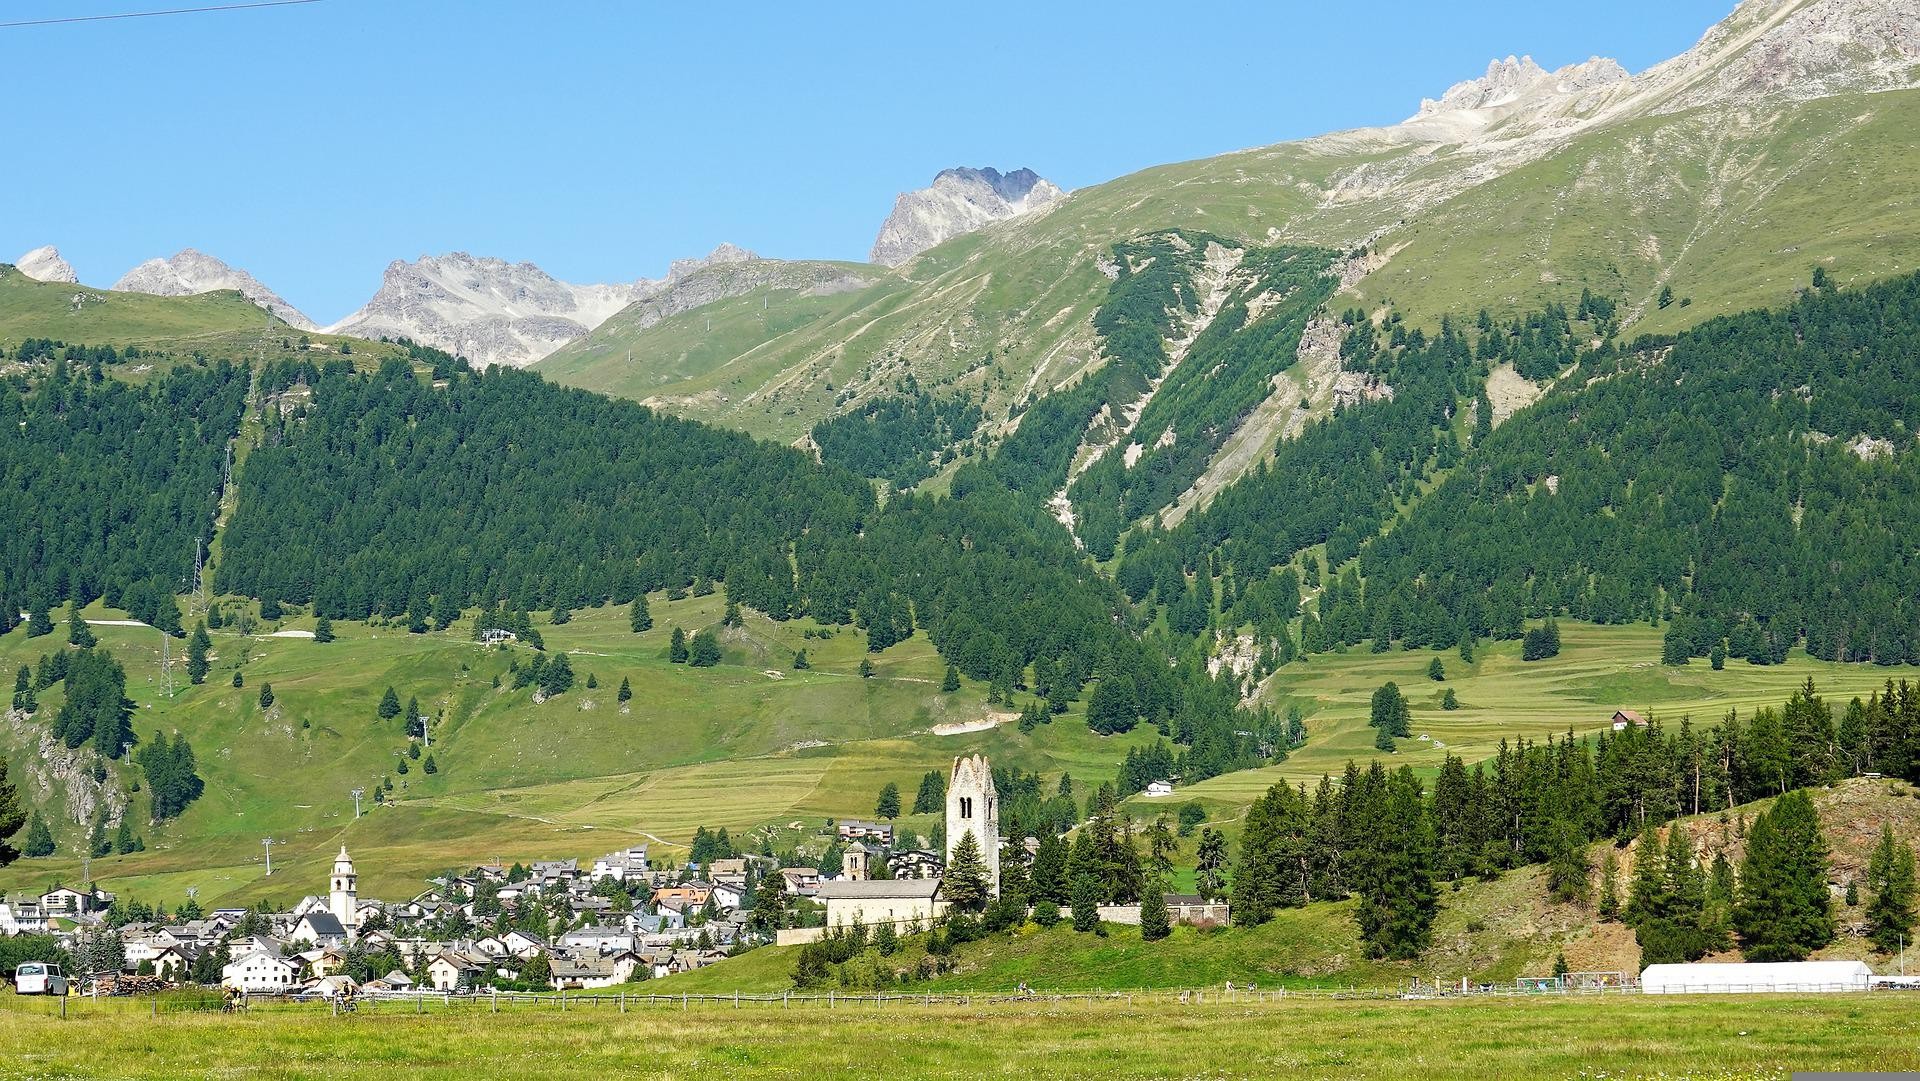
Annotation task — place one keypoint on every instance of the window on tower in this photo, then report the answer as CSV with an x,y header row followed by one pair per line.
x,y
966,806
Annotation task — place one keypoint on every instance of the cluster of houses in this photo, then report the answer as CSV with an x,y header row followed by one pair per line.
x,y
675,921
305,950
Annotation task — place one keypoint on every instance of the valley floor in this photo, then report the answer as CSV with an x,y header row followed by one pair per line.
x,y
1734,1036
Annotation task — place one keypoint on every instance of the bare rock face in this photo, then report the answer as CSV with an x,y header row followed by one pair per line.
x,y
45,265
494,312
959,201
191,272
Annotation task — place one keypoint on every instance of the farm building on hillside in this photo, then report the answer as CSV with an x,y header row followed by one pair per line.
x,y
1627,718
1737,979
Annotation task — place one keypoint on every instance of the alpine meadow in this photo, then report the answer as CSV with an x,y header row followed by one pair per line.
x,y
1439,596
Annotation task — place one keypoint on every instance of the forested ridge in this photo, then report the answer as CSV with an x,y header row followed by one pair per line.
x,y
1225,374
378,494
106,488
1752,483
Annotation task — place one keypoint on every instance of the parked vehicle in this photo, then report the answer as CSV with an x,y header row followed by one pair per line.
x,y
39,978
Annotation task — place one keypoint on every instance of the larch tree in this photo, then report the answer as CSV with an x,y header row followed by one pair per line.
x,y
1890,878
1784,912
965,882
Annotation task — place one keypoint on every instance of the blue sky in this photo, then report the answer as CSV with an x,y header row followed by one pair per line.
x,y
312,145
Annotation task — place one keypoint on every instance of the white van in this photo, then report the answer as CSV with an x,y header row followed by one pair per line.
x,y
39,978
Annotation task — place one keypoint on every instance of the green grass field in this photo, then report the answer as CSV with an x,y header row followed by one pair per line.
x,y
1698,1037
750,742
1600,669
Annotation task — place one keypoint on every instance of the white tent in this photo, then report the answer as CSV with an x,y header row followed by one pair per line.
x,y
1735,979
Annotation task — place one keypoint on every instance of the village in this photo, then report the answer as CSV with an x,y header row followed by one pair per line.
x,y
546,924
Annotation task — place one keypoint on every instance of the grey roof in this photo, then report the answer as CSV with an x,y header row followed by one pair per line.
x,y
899,887
324,923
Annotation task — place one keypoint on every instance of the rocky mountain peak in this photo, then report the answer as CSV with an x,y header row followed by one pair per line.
x,y
44,264
725,253
189,272
958,201
1516,80
495,312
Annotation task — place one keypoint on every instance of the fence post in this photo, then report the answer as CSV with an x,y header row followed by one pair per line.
x,y
736,1000
623,1002
683,1001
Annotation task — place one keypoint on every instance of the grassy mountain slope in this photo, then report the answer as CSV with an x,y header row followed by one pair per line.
x,y
1728,209
78,313
746,743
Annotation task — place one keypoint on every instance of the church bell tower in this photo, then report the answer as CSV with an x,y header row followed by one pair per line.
x,y
973,806
344,898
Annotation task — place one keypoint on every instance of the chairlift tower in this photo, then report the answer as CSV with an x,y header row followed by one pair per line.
x,y
357,793
269,843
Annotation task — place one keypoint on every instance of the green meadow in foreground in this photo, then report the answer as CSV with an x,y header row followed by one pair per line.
x,y
1733,1037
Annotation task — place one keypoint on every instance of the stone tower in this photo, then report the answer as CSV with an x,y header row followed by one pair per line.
x,y
344,896
853,863
973,806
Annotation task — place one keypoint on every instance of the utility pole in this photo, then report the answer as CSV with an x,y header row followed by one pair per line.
x,y
269,842
199,575
357,793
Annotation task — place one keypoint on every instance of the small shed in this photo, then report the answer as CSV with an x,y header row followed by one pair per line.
x,y
1624,719
1797,977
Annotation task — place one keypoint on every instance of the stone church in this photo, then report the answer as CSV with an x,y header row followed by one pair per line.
x,y
973,806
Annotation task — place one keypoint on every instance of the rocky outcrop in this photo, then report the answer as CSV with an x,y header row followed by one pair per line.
x,y
959,201
45,265
190,272
513,314
1765,52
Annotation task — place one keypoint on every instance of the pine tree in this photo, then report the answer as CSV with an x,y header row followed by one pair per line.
x,y
39,621
1086,904
888,805
1210,865
1154,924
1890,878
1397,897
952,681
123,838
965,884
932,795
323,630
800,662
197,647
1646,897
23,698
866,668
1609,907
429,766
705,650
39,841
639,618
1449,701
1436,671
556,676
78,633
266,694
677,647
1784,911
625,694
389,705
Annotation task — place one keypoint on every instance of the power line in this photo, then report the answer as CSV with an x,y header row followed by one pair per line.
x,y
156,14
